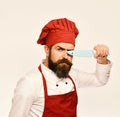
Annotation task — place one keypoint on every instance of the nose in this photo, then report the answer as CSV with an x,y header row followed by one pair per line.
x,y
65,55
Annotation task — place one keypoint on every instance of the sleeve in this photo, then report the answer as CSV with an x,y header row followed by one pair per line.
x,y
98,78
22,100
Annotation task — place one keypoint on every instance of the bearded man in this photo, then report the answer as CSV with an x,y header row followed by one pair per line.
x,y
51,89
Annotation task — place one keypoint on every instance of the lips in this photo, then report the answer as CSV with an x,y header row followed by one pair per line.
x,y
64,61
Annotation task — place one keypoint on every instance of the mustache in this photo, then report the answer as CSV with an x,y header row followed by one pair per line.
x,y
64,61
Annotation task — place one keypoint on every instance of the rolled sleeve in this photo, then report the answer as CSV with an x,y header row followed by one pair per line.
x,y
103,72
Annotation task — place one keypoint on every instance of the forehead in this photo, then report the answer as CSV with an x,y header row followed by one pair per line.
x,y
64,45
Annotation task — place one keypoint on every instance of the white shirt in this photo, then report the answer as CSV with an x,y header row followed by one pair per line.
x,y
28,100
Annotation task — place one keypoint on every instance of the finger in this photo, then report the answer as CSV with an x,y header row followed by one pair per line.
x,y
101,50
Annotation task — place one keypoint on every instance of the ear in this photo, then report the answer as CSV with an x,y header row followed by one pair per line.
x,y
46,48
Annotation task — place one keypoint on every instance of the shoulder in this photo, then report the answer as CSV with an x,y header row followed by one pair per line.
x,y
29,83
74,72
32,76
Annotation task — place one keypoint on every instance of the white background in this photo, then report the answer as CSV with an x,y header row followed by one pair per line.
x,y
98,22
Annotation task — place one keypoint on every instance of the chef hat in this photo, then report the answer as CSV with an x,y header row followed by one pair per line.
x,y
58,30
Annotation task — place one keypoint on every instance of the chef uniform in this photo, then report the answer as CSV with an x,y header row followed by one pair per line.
x,y
40,93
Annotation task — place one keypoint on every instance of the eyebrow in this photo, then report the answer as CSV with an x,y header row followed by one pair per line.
x,y
64,48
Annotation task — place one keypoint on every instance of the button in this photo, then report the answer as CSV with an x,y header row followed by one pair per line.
x,y
66,82
57,85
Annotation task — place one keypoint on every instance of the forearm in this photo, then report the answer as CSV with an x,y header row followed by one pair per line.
x,y
103,72
98,78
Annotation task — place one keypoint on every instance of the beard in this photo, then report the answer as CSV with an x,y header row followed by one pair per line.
x,y
61,68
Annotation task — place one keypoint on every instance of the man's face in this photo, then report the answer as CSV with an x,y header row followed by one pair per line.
x,y
58,60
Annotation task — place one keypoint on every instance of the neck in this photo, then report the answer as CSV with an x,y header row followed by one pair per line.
x,y
45,62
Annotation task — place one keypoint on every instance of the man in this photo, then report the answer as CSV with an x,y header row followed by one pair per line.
x,y
50,90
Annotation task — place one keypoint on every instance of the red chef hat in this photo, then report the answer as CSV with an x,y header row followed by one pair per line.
x,y
58,30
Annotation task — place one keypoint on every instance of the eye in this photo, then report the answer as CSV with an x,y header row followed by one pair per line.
x,y
60,49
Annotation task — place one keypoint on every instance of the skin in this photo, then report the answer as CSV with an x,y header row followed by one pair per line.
x,y
59,51
101,54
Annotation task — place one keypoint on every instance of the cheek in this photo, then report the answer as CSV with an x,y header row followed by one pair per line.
x,y
55,56
70,59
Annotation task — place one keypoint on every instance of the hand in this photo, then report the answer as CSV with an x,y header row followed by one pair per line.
x,y
101,54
